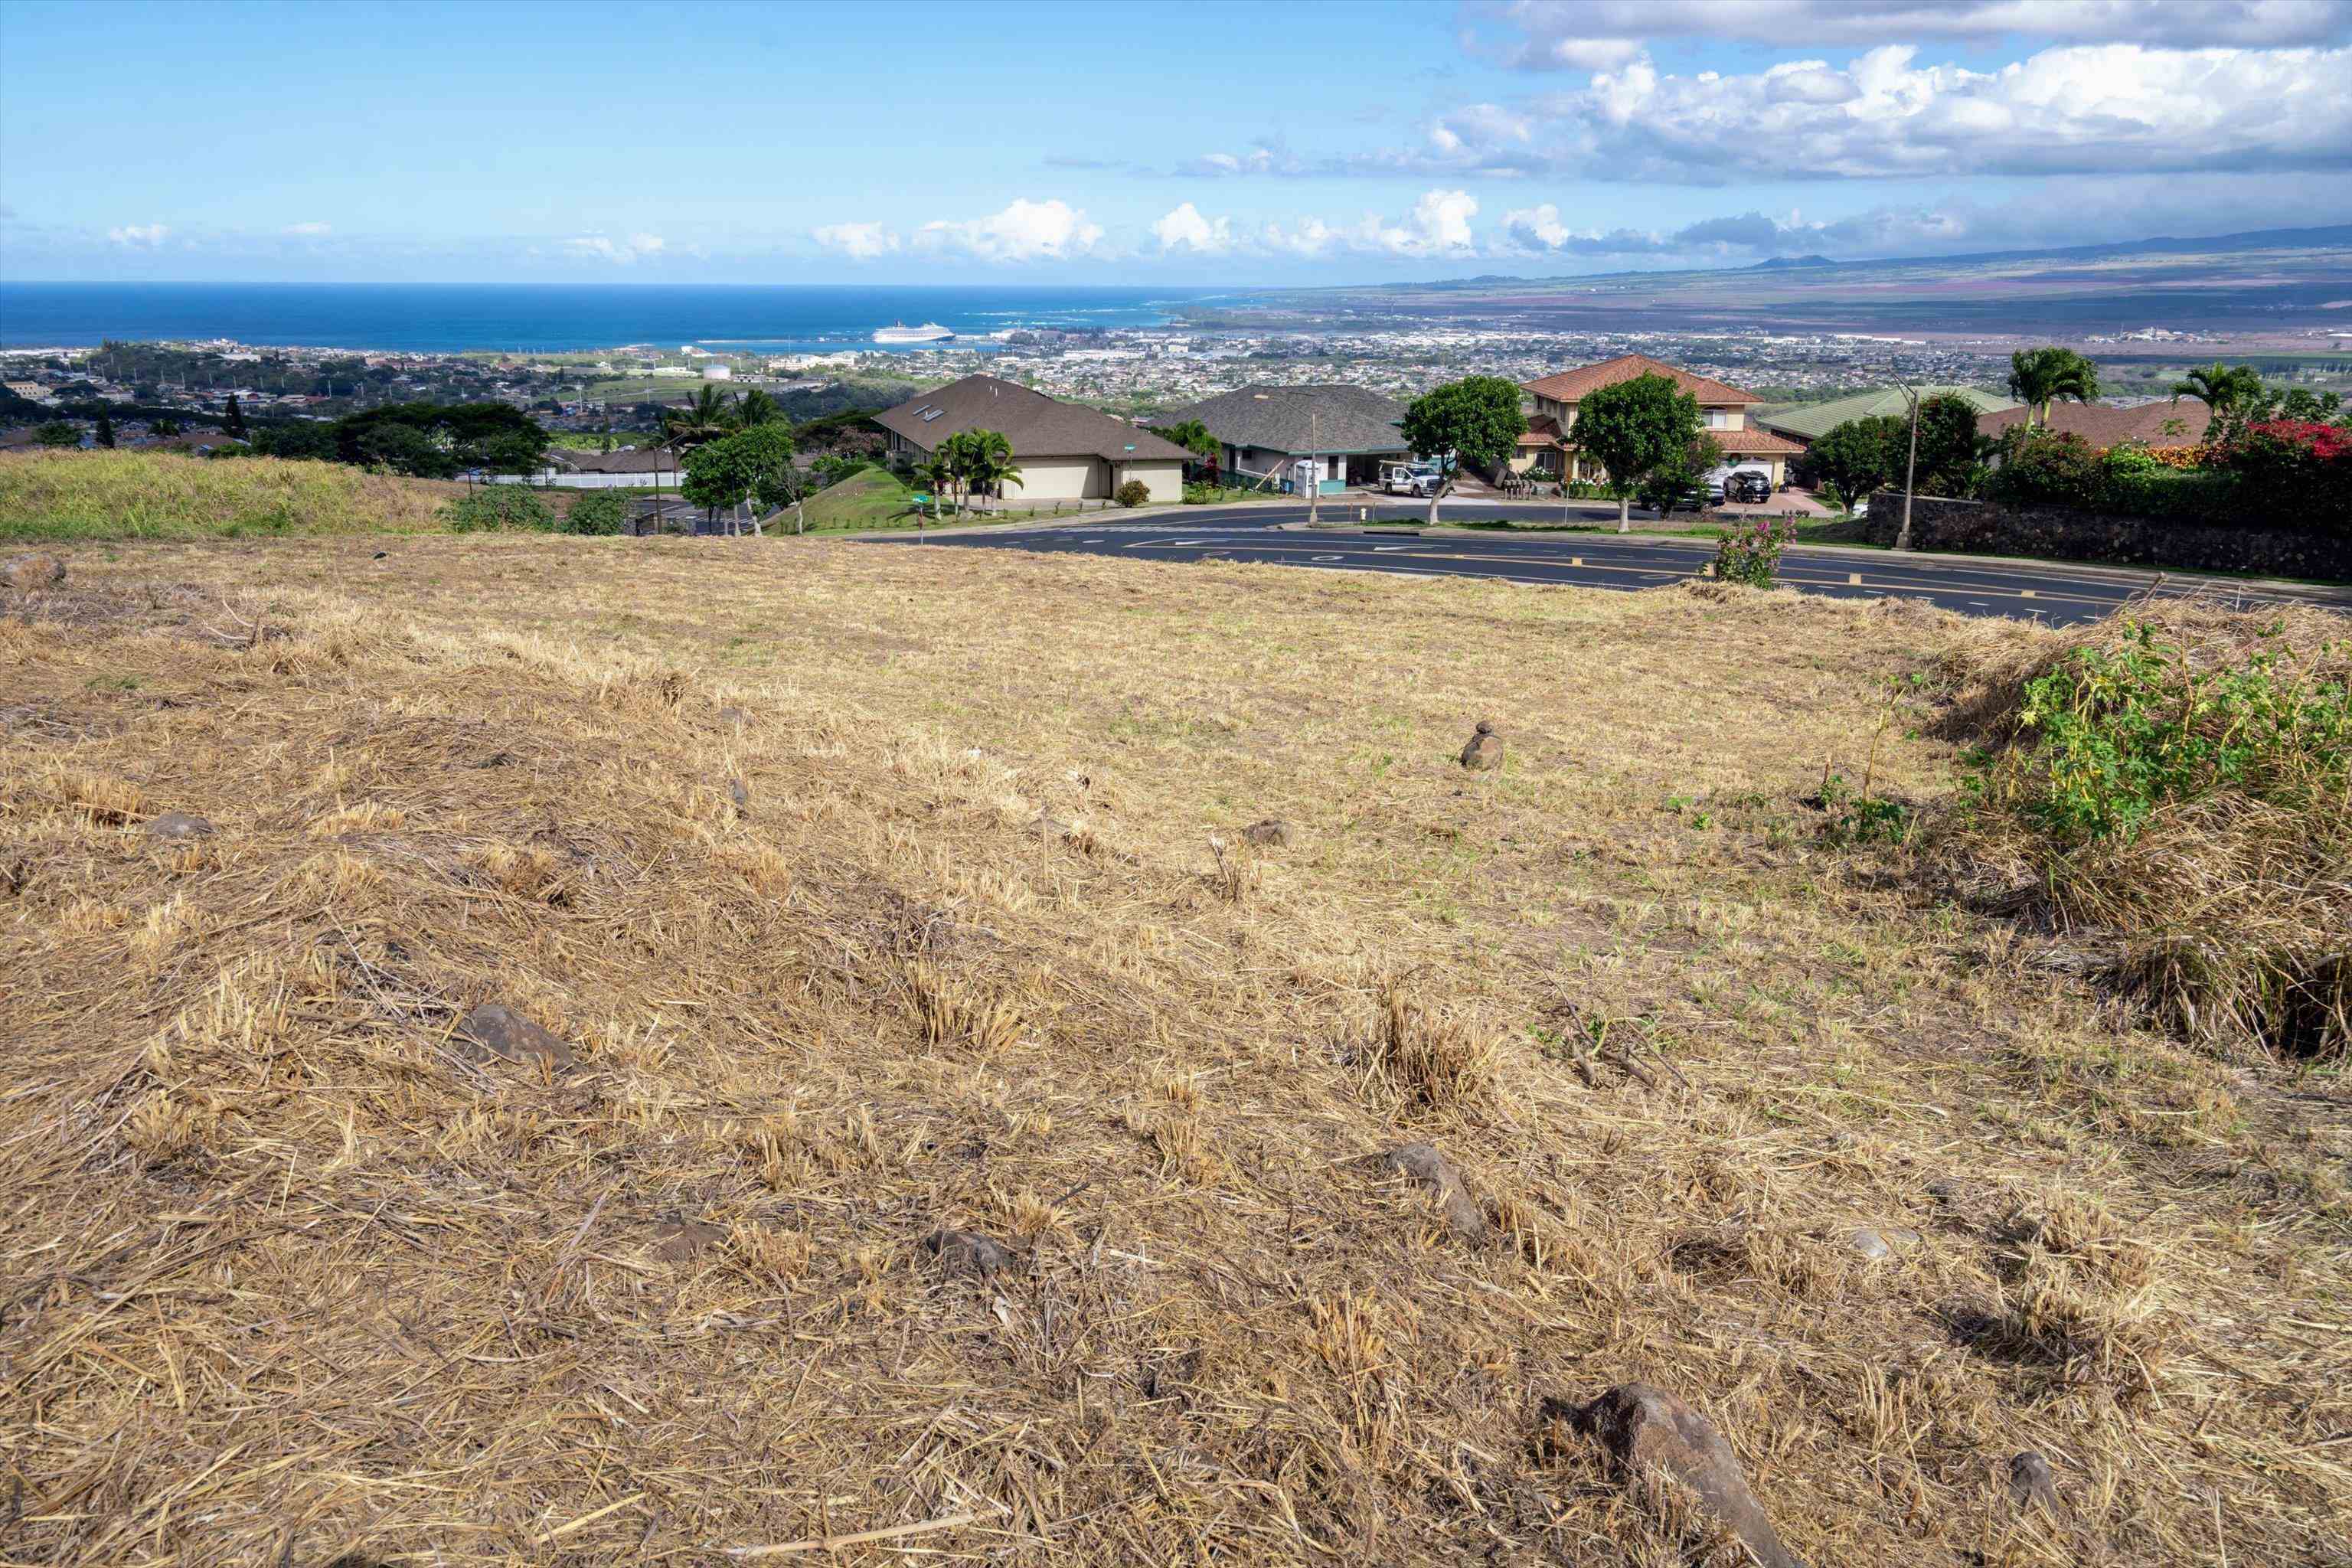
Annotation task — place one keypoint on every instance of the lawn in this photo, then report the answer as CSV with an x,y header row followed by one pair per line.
x,y
163,495
870,894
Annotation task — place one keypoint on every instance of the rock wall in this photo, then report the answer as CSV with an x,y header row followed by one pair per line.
x,y
2059,533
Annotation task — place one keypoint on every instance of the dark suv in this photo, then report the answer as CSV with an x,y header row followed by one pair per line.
x,y
1747,486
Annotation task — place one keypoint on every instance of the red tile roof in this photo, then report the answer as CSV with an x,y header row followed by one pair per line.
x,y
1754,443
2163,424
1542,432
1570,385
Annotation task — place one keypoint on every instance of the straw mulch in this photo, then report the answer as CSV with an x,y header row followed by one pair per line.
x,y
954,1138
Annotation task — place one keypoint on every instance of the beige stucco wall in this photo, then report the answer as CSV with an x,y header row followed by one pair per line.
x,y
1057,478
1164,477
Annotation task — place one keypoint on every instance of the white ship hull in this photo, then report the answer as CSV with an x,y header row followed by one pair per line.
x,y
929,332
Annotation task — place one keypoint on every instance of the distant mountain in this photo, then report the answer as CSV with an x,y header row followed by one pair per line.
x,y
1781,263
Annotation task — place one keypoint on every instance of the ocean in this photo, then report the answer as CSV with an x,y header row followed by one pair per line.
x,y
449,317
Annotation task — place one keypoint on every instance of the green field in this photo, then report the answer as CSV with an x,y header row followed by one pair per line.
x,y
162,495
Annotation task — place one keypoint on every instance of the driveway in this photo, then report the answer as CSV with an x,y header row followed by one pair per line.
x,y
2053,593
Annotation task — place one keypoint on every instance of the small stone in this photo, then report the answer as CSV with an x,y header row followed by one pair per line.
x,y
1270,832
1484,751
1424,1164
678,1238
1645,1428
741,794
967,1252
500,1031
179,826
2031,1484
1878,1243
30,574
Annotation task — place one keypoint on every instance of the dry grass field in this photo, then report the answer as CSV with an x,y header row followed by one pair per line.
x,y
868,894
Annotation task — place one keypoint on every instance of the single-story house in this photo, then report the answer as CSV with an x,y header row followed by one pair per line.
x,y
1065,451
569,468
2160,423
31,390
1347,432
1547,449
1809,422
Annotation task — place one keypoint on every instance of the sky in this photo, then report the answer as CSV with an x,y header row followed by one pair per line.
x,y
1202,143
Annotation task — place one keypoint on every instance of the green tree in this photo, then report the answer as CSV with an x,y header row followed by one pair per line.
x,y
1681,480
57,433
104,436
938,473
987,462
1476,421
1194,438
755,406
234,424
2039,377
1860,455
596,512
1632,429
2226,391
710,418
754,464
162,428
1948,455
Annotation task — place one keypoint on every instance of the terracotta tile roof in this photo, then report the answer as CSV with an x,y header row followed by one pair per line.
x,y
1570,385
1542,433
1754,443
2161,424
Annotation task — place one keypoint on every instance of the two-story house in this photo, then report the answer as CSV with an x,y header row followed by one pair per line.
x,y
1547,449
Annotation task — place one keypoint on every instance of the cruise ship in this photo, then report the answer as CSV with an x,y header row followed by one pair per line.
x,y
929,332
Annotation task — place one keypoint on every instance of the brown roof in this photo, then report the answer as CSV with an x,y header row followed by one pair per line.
x,y
627,460
1542,432
1570,385
2166,423
1035,424
1753,442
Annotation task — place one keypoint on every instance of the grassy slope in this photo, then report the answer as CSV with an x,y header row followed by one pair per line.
x,y
162,495
868,499
258,1210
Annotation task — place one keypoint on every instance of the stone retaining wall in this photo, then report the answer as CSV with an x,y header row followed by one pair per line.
x,y
2059,533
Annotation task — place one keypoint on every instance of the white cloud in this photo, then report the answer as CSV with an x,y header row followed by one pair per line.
x,y
139,236
307,230
2108,108
857,241
1308,237
1439,226
621,253
1541,231
1184,228
1602,34
1263,158
1025,231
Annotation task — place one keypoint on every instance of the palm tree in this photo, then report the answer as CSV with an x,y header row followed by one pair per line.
x,y
2224,390
939,473
702,421
2039,377
754,406
987,460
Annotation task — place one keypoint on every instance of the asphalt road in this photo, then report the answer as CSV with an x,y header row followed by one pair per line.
x,y
2056,594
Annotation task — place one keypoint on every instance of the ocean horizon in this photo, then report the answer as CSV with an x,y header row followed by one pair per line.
x,y
454,318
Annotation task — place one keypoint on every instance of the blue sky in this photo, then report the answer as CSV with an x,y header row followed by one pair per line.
x,y
1208,142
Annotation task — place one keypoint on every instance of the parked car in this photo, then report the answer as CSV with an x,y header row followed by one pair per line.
x,y
1411,478
1719,482
1748,486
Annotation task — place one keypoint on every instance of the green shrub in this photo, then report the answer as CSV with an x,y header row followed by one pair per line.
x,y
2114,734
1750,552
598,511
498,508
1135,492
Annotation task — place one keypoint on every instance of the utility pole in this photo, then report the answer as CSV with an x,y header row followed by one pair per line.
x,y
1314,467
1910,470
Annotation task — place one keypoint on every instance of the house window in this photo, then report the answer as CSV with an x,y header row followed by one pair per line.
x,y
1715,417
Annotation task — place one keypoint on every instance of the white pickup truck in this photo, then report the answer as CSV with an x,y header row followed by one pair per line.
x,y
1411,478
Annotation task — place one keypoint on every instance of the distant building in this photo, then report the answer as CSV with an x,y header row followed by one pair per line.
x,y
718,372
32,390
1546,448
1347,432
1810,423
1065,451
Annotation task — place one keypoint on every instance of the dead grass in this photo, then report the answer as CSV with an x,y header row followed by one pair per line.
x,y
293,1272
